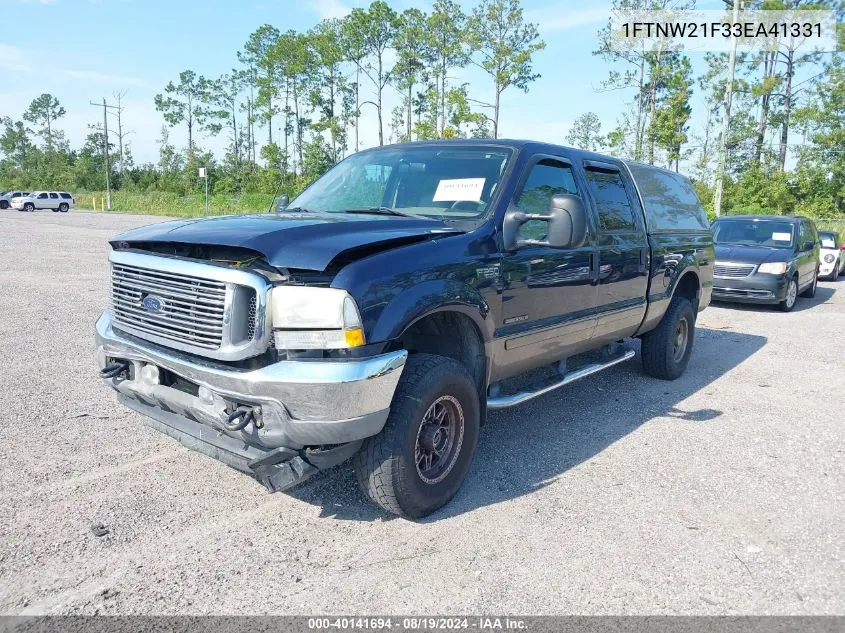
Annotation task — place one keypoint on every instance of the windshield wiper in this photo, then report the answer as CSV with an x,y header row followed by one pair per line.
x,y
296,210
378,211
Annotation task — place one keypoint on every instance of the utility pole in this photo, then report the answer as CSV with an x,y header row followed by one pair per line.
x,y
106,148
723,141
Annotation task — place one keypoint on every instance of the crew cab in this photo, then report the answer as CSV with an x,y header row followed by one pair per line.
x,y
379,315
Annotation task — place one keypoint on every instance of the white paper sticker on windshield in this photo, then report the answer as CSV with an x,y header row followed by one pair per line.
x,y
826,243
459,190
781,237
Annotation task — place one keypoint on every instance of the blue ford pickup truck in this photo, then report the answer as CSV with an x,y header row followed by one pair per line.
x,y
379,315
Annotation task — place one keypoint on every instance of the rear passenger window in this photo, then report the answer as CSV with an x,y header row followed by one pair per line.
x,y
611,199
547,178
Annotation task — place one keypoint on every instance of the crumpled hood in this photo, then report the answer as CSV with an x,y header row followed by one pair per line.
x,y
751,254
308,241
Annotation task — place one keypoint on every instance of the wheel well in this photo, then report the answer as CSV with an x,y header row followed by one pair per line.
x,y
453,335
688,286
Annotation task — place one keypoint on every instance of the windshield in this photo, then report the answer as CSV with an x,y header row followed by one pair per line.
x,y
754,233
450,183
828,240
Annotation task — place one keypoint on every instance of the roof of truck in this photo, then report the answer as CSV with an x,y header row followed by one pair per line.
x,y
519,144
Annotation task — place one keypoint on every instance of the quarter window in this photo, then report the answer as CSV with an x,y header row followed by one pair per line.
x,y
611,199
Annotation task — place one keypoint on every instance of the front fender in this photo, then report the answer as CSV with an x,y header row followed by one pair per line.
x,y
428,297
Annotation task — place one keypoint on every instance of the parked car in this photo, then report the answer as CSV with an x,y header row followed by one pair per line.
x,y
53,200
378,314
6,197
831,255
765,259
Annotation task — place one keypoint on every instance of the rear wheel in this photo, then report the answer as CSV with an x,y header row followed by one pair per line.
x,y
29,207
791,295
421,457
63,207
667,348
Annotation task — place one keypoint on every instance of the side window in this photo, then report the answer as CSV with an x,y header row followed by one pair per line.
x,y
66,196
54,196
611,199
42,196
547,178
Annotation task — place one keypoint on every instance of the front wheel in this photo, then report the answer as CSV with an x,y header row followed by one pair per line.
x,y
423,453
4,204
791,295
29,207
667,348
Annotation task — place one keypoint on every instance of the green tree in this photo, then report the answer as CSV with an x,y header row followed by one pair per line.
x,y
585,133
411,50
263,74
182,103
822,120
15,144
447,44
330,93
377,26
43,112
504,44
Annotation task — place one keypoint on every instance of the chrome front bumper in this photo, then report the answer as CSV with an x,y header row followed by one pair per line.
x,y
304,403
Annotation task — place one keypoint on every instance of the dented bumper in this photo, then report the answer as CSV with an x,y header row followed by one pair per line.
x,y
302,407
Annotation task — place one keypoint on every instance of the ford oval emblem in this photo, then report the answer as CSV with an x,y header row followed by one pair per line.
x,y
152,303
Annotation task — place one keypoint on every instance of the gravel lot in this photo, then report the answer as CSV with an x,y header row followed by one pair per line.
x,y
719,493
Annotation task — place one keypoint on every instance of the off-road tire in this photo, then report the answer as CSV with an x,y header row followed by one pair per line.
x,y
810,291
385,466
658,349
784,305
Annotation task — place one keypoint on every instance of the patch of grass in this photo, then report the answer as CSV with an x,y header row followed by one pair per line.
x,y
166,203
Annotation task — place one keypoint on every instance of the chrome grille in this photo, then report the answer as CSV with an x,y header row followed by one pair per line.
x,y
731,270
207,309
191,309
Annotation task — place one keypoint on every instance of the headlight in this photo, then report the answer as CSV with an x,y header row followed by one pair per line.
x,y
828,259
773,268
315,318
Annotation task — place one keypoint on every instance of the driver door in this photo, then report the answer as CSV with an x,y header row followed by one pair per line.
x,y
549,296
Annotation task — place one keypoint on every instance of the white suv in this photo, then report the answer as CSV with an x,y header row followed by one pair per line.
x,y
6,197
54,200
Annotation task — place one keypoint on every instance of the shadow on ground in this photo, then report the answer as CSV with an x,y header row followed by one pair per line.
x,y
528,447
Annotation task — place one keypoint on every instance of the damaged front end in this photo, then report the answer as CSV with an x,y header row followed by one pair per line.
x,y
190,345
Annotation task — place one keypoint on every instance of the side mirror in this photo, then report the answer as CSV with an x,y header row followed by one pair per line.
x,y
808,245
282,203
567,220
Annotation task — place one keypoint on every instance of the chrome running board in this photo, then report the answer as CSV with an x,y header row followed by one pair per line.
x,y
503,402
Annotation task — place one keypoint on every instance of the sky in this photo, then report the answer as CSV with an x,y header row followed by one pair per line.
x,y
84,50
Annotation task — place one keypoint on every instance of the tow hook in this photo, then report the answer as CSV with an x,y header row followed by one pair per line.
x,y
115,369
242,416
